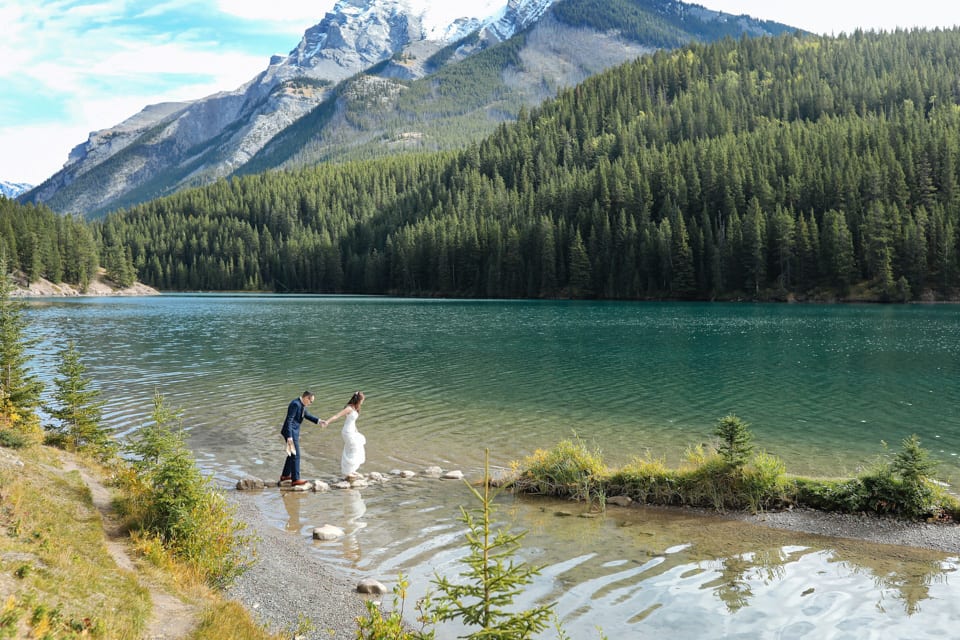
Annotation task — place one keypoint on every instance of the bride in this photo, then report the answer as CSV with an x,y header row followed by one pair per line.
x,y
353,441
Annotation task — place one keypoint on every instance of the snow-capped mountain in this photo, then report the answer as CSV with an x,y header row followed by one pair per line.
x,y
168,146
13,189
351,66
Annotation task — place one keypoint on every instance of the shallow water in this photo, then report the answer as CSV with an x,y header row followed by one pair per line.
x,y
822,387
641,572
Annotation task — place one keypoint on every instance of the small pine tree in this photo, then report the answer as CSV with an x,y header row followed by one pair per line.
x,y
175,503
19,389
734,447
913,463
78,408
493,579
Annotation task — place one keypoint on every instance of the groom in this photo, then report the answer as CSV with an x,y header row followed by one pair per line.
x,y
296,413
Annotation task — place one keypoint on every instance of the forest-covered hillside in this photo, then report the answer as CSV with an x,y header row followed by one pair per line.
x,y
758,168
39,243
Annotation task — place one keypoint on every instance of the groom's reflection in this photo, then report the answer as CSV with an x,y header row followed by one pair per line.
x,y
291,502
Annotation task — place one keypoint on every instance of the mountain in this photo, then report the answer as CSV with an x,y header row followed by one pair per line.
x,y
13,189
376,77
797,167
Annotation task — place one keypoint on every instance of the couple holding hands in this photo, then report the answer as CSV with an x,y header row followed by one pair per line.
x,y
353,441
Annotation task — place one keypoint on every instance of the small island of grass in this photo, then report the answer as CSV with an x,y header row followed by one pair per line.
x,y
731,476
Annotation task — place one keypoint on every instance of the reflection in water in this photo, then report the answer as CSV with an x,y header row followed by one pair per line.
x,y
291,502
353,509
647,572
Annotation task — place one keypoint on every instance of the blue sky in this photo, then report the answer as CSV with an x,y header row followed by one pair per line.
x,y
69,67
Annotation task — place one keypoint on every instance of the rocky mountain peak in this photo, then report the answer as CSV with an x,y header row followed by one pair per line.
x,y
516,16
168,146
353,36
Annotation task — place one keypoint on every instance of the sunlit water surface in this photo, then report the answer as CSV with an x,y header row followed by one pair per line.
x,y
823,387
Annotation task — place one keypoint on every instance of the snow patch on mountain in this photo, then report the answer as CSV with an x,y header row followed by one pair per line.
x,y
13,189
448,21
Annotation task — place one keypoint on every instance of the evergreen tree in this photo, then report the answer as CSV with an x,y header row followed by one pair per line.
x,y
78,409
735,437
19,387
579,270
493,579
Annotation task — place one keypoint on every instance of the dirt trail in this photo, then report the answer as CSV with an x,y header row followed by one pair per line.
x,y
170,617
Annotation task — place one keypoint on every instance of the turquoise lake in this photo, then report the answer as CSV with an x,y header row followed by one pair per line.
x,y
822,387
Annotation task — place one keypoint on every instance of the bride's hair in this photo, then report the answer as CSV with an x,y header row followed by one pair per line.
x,y
355,399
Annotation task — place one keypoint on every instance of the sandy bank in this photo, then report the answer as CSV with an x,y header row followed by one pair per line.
x,y
100,286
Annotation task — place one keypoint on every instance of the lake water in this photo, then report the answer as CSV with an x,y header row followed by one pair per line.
x,y
823,387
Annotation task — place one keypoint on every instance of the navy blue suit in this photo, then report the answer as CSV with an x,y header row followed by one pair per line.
x,y
296,414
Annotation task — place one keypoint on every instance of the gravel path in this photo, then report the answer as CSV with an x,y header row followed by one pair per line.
x,y
287,584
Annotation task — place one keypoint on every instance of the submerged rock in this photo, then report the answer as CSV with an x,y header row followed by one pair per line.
x,y
327,532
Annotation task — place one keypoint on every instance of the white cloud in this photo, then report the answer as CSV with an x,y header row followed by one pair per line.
x,y
105,67
833,17
295,15
26,156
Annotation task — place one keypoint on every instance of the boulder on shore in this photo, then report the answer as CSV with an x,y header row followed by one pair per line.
x,y
369,585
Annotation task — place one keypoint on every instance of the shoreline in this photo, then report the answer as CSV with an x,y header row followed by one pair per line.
x,y
279,592
286,587
933,536
99,286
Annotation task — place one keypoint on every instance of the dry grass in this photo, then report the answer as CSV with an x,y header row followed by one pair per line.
x,y
58,578
65,583
230,620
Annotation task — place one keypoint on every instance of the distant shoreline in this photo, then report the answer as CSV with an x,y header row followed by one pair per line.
x,y
99,286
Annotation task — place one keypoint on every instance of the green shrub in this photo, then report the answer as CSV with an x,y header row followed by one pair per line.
x,y
900,487
709,481
763,482
167,497
12,439
646,480
568,469
844,496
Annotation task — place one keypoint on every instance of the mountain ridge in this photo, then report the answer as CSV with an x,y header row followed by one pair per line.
x,y
170,146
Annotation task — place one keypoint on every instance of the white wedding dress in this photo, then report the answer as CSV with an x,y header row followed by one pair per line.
x,y
353,441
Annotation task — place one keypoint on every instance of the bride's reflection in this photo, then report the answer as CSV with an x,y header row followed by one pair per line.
x,y
353,509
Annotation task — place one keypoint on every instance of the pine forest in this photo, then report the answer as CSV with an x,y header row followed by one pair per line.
x,y
788,167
